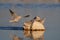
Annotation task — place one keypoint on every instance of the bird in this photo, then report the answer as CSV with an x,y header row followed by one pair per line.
x,y
15,18
38,19
35,24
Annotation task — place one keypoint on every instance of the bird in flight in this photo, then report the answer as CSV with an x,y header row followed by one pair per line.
x,y
15,18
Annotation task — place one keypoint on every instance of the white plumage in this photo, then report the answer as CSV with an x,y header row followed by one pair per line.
x,y
15,17
36,23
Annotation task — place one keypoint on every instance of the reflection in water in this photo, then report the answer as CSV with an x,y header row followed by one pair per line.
x,y
31,35
35,35
15,37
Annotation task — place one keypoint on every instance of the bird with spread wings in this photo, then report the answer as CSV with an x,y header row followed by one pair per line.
x,y
15,17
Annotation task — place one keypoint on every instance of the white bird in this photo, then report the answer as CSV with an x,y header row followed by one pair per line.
x,y
36,23
15,17
37,18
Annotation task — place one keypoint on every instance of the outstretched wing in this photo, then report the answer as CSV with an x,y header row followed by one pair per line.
x,y
27,16
43,20
12,13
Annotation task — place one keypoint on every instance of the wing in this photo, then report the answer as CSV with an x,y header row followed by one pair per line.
x,y
12,13
27,16
43,20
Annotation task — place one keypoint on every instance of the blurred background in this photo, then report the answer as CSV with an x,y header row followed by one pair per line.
x,y
50,9
30,1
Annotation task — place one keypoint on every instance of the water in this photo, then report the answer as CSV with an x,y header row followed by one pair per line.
x,y
24,35
50,12
52,34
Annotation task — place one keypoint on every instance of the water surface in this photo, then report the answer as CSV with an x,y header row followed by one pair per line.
x,y
50,11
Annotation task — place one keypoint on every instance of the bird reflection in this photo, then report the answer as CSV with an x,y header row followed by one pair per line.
x,y
15,37
35,35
